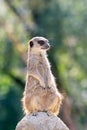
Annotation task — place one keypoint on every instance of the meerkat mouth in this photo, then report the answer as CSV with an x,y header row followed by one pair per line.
x,y
46,47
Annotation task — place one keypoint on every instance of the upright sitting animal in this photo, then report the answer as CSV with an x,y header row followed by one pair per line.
x,y
41,93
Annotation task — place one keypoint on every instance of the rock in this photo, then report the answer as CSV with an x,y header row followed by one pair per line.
x,y
41,122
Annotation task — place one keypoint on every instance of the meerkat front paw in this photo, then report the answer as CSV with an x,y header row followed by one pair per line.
x,y
42,84
49,87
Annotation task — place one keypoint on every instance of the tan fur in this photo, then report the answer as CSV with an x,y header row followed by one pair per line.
x,y
40,93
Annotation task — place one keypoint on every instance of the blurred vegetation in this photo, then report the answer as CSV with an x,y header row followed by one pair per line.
x,y
64,23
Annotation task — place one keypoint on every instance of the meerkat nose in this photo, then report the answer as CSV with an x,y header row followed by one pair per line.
x,y
47,46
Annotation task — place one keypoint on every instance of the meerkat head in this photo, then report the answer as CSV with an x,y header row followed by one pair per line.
x,y
39,44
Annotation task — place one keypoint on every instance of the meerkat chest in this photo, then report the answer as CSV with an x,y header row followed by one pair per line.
x,y
43,67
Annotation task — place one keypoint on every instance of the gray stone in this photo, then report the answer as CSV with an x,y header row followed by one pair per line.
x,y
41,122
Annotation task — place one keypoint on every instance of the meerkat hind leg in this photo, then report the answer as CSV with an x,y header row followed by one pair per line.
x,y
47,112
35,113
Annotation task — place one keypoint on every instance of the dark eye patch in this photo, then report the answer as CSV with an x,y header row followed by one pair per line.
x,y
41,42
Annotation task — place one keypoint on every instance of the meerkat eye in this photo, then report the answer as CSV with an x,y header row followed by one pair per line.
x,y
41,42
31,44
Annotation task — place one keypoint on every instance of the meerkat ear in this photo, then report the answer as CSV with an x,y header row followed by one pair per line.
x,y
31,44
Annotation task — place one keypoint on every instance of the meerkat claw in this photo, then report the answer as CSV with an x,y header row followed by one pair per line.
x,y
34,113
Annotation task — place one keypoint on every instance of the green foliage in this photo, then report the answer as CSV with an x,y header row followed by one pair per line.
x,y
64,23
10,108
10,105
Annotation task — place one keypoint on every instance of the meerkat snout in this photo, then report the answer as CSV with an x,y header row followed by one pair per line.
x,y
45,45
39,43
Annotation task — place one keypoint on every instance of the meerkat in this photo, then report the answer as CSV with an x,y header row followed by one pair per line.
x,y
41,93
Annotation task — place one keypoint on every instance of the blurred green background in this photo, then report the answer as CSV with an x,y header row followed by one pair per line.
x,y
64,23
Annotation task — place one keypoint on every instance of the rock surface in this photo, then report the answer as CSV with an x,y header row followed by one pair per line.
x,y
41,122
